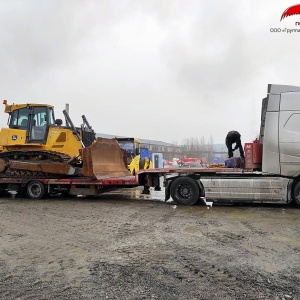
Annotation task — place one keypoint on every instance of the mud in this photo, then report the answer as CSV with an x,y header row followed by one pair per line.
x,y
126,246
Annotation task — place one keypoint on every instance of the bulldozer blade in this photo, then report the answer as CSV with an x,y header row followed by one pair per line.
x,y
104,159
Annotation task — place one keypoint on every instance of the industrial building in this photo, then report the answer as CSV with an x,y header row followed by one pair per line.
x,y
170,151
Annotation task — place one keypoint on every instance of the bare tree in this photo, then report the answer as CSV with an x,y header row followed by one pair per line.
x,y
210,150
198,148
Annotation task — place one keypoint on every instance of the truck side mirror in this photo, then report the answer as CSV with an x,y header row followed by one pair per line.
x,y
58,122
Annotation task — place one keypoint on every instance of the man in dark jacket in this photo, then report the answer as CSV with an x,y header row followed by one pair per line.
x,y
234,137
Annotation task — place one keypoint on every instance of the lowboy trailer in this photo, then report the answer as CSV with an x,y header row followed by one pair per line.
x,y
38,188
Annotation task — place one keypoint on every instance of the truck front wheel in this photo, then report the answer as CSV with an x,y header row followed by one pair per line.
x,y
185,191
36,190
296,193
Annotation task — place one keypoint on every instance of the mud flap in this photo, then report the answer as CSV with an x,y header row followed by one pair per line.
x,y
167,184
104,159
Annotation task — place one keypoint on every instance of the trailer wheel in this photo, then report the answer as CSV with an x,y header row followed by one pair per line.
x,y
185,191
296,193
36,190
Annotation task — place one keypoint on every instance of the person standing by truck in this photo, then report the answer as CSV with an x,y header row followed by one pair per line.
x,y
234,137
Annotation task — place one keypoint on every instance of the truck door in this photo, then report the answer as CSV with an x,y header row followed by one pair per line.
x,y
289,133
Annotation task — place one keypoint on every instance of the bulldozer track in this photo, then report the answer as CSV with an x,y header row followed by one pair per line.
x,y
31,156
10,173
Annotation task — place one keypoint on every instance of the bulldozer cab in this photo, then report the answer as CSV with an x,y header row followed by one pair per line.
x,y
34,127
35,119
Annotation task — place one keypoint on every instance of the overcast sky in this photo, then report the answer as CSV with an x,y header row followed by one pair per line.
x,y
155,69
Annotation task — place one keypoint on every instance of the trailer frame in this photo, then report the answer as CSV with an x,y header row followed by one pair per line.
x,y
186,186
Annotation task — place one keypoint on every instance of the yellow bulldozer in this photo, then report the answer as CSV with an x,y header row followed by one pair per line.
x,y
35,144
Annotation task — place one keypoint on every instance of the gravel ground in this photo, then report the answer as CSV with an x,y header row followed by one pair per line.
x,y
126,246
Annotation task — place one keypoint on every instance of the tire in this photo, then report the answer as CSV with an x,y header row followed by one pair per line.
x,y
296,193
185,191
36,190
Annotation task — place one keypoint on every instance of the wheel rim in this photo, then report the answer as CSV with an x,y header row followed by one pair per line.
x,y
184,191
35,190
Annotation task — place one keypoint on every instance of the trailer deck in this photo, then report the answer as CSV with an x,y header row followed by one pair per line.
x,y
200,171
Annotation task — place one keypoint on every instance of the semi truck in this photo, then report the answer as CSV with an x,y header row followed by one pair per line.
x,y
273,178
